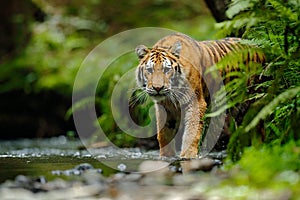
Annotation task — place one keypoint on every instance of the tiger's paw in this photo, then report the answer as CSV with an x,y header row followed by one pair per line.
x,y
190,153
167,153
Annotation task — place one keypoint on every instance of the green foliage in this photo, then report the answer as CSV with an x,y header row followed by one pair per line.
x,y
261,166
59,44
71,29
272,25
269,108
105,89
50,61
270,169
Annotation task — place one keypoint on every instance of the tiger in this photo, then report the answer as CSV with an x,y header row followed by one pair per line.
x,y
172,74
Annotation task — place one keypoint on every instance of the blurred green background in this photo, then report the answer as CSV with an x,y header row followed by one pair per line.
x,y
44,42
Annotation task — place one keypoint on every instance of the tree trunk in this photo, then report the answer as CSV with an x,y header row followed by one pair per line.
x,y
218,8
16,17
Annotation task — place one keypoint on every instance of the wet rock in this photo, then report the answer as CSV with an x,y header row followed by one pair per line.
x,y
22,180
94,178
160,167
57,184
175,167
219,155
77,170
135,177
203,164
122,167
16,193
118,176
186,179
83,167
124,182
57,172
41,180
156,173
33,184
75,192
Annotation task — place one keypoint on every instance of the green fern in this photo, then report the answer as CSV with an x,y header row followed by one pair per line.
x,y
269,108
272,25
238,6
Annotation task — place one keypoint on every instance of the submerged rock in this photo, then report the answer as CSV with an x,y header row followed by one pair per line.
x,y
122,167
33,184
83,167
77,170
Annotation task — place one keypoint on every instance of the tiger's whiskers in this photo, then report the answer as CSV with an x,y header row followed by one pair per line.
x,y
138,96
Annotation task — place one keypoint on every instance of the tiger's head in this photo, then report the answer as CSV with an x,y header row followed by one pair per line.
x,y
159,71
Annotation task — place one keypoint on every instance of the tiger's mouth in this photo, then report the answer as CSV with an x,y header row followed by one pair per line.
x,y
157,92
157,95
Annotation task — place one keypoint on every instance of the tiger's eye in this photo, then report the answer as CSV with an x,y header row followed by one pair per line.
x,y
149,70
166,69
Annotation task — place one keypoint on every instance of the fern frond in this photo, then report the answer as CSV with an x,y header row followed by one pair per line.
x,y
284,10
238,6
269,108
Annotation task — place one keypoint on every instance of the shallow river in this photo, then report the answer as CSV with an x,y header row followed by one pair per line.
x,y
42,157
45,156
58,168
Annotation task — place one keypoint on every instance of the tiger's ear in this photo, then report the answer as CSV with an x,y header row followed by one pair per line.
x,y
176,48
141,51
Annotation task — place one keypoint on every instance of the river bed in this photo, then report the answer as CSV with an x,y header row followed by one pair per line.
x,y
55,168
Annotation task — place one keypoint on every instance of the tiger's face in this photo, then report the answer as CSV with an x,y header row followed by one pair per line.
x,y
159,71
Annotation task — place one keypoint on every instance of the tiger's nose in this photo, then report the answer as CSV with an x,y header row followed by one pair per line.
x,y
158,89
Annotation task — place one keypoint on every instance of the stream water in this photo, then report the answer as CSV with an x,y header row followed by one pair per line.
x,y
42,157
58,168
46,157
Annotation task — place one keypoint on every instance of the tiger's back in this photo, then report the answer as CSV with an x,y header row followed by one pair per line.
x,y
205,53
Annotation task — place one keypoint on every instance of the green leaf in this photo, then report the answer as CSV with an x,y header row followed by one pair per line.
x,y
237,6
269,108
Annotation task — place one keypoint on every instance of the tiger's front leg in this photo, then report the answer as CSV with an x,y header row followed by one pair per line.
x,y
193,118
165,131
166,142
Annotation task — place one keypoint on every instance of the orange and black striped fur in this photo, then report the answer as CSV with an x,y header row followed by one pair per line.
x,y
172,72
